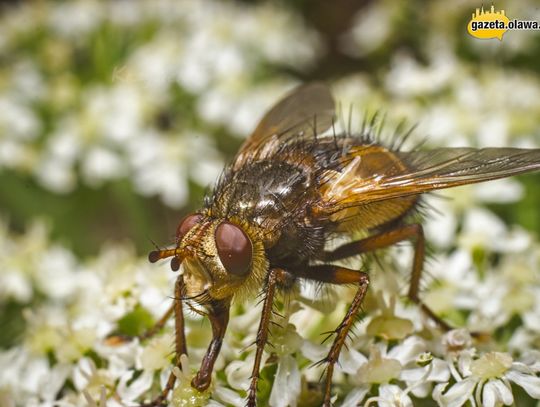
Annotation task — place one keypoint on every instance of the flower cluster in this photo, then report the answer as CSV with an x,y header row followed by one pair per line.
x,y
94,92
66,357
133,90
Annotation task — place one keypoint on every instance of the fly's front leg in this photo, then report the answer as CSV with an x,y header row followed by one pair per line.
x,y
219,318
158,326
276,277
180,342
338,275
385,239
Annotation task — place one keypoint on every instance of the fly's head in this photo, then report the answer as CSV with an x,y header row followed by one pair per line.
x,y
220,258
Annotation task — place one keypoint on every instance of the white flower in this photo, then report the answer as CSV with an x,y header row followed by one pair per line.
x,y
131,390
101,165
55,275
228,396
238,372
481,229
86,376
14,285
371,27
355,396
156,355
41,380
57,176
490,375
391,395
17,120
287,383
84,16
408,78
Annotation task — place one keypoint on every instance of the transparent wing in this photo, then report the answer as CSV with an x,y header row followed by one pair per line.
x,y
372,176
307,110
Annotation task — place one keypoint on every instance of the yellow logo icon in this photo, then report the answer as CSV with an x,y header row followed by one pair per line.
x,y
488,24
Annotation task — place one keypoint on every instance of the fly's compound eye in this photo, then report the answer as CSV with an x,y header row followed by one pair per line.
x,y
186,224
234,248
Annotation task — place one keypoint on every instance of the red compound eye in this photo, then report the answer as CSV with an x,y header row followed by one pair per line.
x,y
234,248
186,224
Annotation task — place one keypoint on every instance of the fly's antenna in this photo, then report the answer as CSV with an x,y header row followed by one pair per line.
x,y
179,256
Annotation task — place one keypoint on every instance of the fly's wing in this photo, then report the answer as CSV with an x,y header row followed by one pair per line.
x,y
371,175
307,110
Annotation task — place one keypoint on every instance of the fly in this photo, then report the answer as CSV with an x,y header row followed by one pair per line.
x,y
289,190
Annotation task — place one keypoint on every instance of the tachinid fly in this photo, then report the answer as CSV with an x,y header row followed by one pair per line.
x,y
293,185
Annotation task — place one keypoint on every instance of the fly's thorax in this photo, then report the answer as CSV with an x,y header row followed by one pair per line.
x,y
268,194
224,259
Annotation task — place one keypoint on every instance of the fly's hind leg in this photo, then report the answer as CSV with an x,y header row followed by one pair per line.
x,y
338,275
385,239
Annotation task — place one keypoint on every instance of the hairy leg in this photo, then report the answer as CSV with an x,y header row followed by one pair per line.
x,y
276,277
150,332
180,343
338,275
385,239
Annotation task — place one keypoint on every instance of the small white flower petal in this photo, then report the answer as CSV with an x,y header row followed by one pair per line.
x,y
504,391
490,396
391,395
313,351
54,382
529,383
131,391
465,360
457,395
408,350
287,383
531,358
156,355
354,397
228,396
83,371
439,372
238,373
350,360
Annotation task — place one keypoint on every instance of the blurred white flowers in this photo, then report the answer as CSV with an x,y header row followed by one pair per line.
x,y
203,56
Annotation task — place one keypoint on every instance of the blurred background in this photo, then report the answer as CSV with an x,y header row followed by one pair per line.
x,y
116,117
